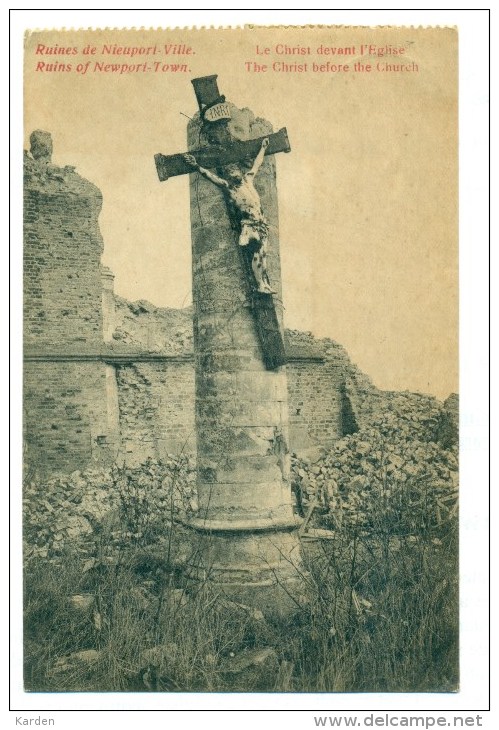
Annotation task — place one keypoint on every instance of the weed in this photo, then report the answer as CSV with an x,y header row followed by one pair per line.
x,y
119,615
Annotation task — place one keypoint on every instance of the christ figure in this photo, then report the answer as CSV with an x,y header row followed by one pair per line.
x,y
240,189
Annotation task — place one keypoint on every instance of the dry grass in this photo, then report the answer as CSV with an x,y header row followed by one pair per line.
x,y
381,616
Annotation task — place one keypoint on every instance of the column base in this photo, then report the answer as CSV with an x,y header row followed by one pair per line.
x,y
263,524
258,566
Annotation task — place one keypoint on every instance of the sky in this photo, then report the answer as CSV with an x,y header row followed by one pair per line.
x,y
367,196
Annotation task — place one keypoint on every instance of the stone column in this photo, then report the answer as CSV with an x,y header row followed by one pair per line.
x,y
245,520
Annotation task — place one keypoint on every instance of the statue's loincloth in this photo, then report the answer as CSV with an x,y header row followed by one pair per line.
x,y
260,228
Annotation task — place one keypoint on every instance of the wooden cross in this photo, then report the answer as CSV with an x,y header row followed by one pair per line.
x,y
224,150
214,111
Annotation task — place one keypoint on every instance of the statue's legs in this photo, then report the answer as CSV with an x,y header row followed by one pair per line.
x,y
259,267
256,243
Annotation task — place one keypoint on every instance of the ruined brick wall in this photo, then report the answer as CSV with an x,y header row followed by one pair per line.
x,y
62,250
70,397
327,392
156,400
315,404
69,417
156,405
157,414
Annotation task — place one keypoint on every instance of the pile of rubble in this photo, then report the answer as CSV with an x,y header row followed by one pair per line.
x,y
398,473
392,475
106,507
147,328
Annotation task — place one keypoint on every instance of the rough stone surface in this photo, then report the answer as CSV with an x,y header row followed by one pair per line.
x,y
142,327
156,409
241,407
96,511
395,466
63,246
70,415
41,145
448,430
78,660
70,407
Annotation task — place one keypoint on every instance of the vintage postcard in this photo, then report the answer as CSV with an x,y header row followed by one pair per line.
x,y
241,360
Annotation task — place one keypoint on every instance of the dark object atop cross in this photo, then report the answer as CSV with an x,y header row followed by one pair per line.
x,y
224,150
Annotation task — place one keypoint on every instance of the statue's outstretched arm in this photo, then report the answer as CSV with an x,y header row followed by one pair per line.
x,y
259,158
191,160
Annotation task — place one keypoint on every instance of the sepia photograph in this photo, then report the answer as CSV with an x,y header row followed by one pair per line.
x,y
240,360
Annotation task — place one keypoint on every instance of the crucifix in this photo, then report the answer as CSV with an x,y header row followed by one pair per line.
x,y
245,518
224,149
227,156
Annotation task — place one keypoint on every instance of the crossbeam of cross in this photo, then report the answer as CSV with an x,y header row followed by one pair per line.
x,y
214,156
